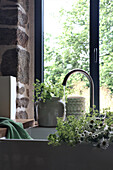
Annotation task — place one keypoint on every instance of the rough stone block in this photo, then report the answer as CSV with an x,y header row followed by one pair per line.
x,y
11,18
20,90
9,63
10,6
18,103
23,3
23,66
22,19
22,115
23,102
15,62
8,36
13,37
22,38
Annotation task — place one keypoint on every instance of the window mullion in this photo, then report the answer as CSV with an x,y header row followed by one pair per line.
x,y
39,40
94,48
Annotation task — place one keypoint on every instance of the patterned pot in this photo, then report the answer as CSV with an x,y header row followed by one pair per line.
x,y
75,106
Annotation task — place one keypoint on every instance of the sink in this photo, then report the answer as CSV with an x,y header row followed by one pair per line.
x,y
40,132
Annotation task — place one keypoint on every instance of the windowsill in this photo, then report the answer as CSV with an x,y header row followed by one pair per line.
x,y
26,124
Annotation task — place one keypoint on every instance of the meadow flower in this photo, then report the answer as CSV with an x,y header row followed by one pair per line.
x,y
94,129
101,124
82,134
85,131
79,141
76,131
92,121
93,136
104,143
90,133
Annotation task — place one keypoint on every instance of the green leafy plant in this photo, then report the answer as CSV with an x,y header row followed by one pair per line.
x,y
91,128
45,90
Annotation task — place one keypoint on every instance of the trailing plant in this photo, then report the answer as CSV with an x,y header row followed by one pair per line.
x,y
45,90
95,129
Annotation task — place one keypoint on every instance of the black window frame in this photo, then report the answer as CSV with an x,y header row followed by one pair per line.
x,y
94,49
39,40
94,44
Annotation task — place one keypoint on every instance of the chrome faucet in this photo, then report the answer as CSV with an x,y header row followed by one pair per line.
x,y
90,80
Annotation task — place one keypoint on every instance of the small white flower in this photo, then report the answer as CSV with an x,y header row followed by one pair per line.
x,y
82,135
104,143
91,121
90,133
85,132
93,136
79,141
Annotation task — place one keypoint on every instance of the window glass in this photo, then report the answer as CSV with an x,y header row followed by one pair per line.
x,y
66,43
106,54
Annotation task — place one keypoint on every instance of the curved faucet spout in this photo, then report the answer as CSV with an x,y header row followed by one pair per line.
x,y
90,80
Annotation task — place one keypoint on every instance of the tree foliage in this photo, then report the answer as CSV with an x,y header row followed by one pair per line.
x,y
71,48
106,43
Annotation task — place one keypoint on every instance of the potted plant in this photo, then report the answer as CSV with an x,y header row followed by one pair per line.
x,y
48,102
93,128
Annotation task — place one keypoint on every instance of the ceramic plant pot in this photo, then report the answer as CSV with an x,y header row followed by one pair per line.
x,y
48,111
75,106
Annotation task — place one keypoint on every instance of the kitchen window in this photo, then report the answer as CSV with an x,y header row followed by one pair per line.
x,y
98,12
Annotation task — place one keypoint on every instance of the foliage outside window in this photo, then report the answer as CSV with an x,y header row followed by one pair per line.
x,y
71,47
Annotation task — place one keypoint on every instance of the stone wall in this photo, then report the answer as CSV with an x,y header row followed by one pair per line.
x,y
17,50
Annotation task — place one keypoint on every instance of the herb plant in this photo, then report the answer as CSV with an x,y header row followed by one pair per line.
x,y
91,128
45,90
